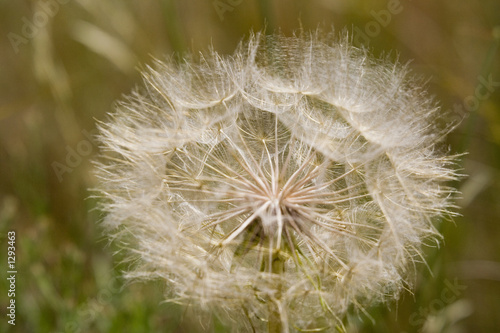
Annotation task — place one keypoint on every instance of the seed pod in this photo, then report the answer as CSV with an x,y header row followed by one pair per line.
x,y
289,181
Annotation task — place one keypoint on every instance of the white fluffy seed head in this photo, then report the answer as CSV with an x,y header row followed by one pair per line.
x,y
298,172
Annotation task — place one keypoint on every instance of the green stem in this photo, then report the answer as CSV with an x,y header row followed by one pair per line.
x,y
275,324
173,28
486,70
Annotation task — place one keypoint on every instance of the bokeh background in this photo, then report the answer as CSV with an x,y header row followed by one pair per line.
x,y
63,63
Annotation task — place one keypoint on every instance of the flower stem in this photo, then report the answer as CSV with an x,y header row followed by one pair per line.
x,y
275,322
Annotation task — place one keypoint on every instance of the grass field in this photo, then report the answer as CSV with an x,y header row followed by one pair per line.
x,y
63,63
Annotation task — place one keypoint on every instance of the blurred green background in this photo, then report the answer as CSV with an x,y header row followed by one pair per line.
x,y
63,63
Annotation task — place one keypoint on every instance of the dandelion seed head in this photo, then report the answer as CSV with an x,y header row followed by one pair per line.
x,y
299,171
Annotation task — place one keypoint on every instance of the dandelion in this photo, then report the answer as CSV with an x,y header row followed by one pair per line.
x,y
282,185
